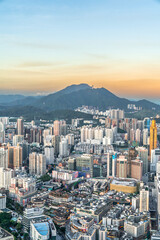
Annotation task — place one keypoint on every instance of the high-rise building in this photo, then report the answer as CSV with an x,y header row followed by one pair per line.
x,y
47,132
49,153
17,157
70,138
20,126
37,164
132,154
146,123
136,169
121,167
3,157
4,120
155,157
63,147
138,135
56,128
10,156
144,200
117,114
35,135
72,164
132,135
108,122
84,163
63,128
145,136
55,142
17,139
153,135
5,177
143,155
134,123
2,133
111,164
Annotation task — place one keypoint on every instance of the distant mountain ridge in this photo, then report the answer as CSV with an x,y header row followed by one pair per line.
x,y
75,96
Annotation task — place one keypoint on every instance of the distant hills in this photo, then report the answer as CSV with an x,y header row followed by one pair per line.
x,y
70,98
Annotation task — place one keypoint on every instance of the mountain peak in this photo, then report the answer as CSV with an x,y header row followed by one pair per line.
x,y
76,87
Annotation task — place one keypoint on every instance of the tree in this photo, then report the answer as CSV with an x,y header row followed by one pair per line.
x,y
19,226
26,236
45,178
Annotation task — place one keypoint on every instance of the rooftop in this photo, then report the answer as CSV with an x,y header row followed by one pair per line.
x,y
42,228
4,233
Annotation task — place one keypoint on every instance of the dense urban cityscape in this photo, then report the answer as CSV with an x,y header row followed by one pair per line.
x,y
79,120
80,180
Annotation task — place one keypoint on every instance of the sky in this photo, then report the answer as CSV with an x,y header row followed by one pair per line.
x,y
48,45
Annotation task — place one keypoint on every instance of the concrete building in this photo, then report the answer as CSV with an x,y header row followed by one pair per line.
x,y
153,136
144,200
5,177
111,164
17,139
56,128
17,157
121,167
84,163
43,228
155,157
145,137
37,164
143,155
20,126
136,230
30,214
5,235
136,169
2,201
55,142
127,185
49,154
10,156
22,189
63,147
3,157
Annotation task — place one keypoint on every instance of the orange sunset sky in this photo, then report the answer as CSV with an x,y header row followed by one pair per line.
x,y
46,46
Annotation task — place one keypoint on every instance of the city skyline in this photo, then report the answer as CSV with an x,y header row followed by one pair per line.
x,y
48,46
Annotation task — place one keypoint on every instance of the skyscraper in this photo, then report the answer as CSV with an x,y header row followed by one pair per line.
x,y
3,157
144,200
153,135
56,128
19,126
122,167
37,164
17,157
132,154
10,156
84,163
143,155
136,169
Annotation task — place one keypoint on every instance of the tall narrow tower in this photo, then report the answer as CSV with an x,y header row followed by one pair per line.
x,y
19,126
153,135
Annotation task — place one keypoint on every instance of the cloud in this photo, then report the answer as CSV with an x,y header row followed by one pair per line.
x,y
35,64
40,64
98,56
40,46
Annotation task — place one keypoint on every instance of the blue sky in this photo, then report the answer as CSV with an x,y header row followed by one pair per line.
x,y
47,45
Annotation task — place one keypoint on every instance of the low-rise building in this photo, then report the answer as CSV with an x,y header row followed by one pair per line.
x,y
43,228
